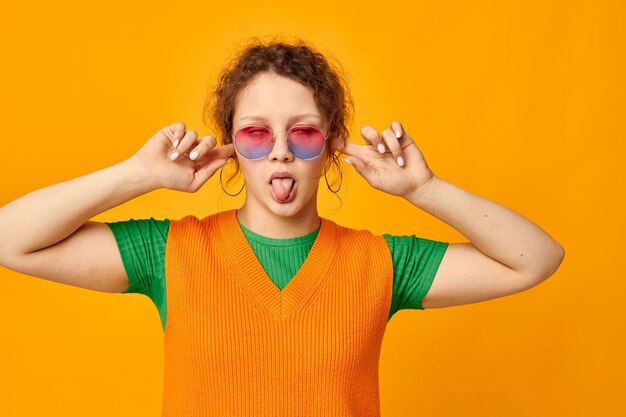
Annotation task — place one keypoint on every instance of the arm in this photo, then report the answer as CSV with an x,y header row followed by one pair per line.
x,y
47,233
46,216
507,253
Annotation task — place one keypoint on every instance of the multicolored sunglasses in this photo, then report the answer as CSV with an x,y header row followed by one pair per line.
x,y
256,142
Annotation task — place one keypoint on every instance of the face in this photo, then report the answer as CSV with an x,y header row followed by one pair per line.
x,y
279,103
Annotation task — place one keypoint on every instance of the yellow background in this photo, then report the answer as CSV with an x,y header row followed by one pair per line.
x,y
519,102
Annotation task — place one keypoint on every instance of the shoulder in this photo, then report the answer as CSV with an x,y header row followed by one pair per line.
x,y
223,222
194,219
349,231
359,236
135,227
189,218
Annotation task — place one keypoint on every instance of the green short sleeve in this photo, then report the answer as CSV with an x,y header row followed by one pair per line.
x,y
141,243
415,263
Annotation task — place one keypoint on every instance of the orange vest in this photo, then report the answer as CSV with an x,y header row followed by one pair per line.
x,y
238,346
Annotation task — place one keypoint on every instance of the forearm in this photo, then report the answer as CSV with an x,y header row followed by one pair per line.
x,y
497,231
46,216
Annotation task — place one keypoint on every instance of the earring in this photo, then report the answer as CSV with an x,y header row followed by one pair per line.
x,y
335,157
222,169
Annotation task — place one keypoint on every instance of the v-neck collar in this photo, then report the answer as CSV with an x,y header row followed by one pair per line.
x,y
307,239
255,280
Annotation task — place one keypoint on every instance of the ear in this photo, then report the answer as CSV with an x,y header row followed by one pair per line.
x,y
336,144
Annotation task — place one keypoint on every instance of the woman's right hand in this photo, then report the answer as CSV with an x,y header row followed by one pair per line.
x,y
181,172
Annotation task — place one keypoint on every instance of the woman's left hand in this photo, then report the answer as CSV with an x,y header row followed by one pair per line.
x,y
382,170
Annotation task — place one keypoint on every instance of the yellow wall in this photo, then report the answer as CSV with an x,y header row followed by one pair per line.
x,y
520,102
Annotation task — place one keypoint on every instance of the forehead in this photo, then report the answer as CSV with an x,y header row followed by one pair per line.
x,y
294,118
274,98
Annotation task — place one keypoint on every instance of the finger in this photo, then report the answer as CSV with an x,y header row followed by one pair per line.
x,y
202,147
174,132
404,138
372,137
221,152
360,166
345,147
205,172
186,142
398,129
392,143
218,159
189,141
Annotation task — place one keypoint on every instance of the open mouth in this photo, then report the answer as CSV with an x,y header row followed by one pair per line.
x,y
283,188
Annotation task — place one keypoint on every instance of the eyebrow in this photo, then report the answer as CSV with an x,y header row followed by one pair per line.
x,y
299,116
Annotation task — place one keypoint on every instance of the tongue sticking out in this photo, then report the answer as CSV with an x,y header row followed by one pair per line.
x,y
282,187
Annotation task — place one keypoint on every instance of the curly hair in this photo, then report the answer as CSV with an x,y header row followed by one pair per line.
x,y
298,60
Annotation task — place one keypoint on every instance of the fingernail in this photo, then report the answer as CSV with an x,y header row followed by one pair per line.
x,y
347,160
174,155
193,155
398,134
401,161
176,142
381,148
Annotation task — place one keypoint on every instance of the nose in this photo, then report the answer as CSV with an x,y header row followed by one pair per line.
x,y
280,151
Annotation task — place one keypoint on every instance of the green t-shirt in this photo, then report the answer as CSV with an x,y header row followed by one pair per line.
x,y
141,243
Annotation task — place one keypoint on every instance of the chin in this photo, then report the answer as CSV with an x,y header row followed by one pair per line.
x,y
285,210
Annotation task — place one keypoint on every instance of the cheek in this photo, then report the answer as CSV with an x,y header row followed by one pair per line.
x,y
247,172
315,174
319,168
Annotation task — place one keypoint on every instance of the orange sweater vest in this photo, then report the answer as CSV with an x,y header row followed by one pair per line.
x,y
236,345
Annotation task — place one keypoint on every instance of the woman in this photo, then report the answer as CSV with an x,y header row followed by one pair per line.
x,y
270,309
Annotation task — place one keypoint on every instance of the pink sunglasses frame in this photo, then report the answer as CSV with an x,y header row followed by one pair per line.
x,y
273,132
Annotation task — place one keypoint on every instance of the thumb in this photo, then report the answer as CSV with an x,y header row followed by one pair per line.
x,y
203,174
224,151
359,165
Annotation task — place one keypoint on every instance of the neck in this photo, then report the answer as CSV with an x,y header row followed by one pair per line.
x,y
277,227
